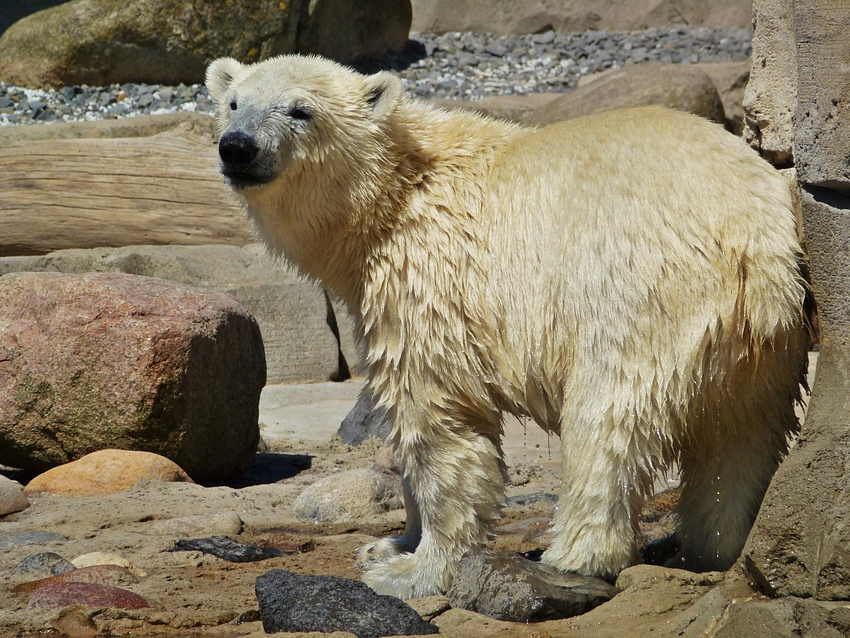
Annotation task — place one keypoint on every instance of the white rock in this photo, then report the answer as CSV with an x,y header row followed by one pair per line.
x,y
12,497
106,558
346,496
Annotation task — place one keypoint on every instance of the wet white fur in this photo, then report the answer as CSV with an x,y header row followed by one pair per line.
x,y
630,280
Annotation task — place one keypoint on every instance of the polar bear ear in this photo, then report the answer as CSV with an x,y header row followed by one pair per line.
x,y
383,93
220,75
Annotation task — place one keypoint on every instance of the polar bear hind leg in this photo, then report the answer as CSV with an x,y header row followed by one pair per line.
x,y
736,439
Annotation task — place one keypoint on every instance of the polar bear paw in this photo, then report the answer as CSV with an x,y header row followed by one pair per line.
x,y
388,569
379,552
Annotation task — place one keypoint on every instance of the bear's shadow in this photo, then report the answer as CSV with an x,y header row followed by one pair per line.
x,y
267,468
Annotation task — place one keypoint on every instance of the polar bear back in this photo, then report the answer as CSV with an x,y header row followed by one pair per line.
x,y
669,235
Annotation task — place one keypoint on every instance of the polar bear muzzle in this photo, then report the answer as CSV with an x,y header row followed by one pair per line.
x,y
237,153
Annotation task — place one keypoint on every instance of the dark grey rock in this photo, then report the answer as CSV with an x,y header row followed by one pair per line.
x,y
293,602
226,549
507,586
364,422
35,537
43,565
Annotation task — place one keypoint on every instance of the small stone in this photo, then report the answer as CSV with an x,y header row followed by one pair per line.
x,y
59,595
529,499
12,497
497,50
544,38
222,524
44,564
430,606
298,603
109,575
36,537
226,549
346,496
506,586
106,558
106,472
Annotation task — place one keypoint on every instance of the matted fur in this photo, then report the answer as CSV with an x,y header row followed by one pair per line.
x,y
629,280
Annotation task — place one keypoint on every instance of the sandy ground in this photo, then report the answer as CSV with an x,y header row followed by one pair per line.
x,y
192,594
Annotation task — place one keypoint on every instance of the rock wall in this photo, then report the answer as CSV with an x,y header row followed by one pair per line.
x,y
799,544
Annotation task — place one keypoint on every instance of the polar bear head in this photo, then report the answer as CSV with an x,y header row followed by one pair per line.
x,y
294,111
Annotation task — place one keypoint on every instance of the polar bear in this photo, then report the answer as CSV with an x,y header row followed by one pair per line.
x,y
630,280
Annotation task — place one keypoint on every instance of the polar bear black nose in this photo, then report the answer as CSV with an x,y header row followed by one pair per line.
x,y
237,149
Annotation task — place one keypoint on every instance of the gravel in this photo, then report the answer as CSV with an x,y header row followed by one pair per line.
x,y
451,65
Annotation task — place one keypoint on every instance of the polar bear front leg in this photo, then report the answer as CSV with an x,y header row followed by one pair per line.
x,y
454,491
386,548
604,485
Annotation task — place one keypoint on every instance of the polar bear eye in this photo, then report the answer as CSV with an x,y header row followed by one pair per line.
x,y
300,113
233,105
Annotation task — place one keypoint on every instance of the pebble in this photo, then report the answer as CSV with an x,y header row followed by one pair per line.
x,y
43,565
449,65
60,595
12,497
226,549
299,603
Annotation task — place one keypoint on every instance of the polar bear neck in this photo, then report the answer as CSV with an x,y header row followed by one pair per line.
x,y
337,217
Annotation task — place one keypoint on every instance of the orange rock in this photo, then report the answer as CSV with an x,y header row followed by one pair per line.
x,y
106,472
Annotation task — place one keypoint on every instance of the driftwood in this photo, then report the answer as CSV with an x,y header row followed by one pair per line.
x,y
85,193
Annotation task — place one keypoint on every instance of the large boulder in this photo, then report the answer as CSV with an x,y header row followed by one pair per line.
x,y
533,16
101,42
295,317
104,360
730,79
346,30
675,86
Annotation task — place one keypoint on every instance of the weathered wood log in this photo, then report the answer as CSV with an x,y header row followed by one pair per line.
x,y
84,193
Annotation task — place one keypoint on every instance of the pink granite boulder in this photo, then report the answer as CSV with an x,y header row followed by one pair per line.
x,y
109,360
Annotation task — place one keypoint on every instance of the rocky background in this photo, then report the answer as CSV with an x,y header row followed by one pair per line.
x,y
182,431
